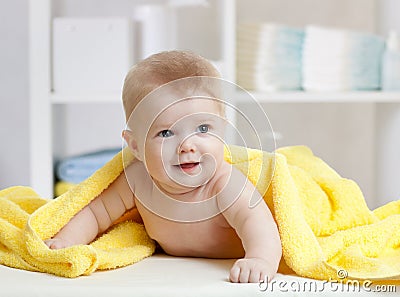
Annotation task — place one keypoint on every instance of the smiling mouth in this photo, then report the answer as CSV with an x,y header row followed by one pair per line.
x,y
188,167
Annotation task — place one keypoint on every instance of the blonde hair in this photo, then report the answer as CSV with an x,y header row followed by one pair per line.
x,y
159,69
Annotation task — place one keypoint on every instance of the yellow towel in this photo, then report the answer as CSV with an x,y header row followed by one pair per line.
x,y
62,187
323,220
26,220
326,228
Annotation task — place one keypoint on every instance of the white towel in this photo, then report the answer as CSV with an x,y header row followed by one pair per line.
x,y
340,60
269,57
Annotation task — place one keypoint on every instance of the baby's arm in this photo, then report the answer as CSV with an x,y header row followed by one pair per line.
x,y
256,229
96,217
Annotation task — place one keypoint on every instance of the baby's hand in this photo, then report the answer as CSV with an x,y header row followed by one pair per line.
x,y
251,270
57,243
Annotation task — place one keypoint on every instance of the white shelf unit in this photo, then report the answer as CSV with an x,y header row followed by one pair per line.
x,y
43,99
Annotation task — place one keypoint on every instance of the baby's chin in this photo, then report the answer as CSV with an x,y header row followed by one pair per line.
x,y
190,181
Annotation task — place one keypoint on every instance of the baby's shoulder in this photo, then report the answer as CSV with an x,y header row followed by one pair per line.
x,y
228,177
136,174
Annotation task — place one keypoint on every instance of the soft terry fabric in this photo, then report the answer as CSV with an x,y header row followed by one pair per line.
x,y
324,222
326,228
26,220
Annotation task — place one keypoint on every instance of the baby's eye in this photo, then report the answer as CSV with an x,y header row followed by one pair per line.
x,y
203,128
166,133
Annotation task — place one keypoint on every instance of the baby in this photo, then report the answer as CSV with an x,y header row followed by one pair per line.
x,y
192,202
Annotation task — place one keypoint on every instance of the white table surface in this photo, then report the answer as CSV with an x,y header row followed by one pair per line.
x,y
162,275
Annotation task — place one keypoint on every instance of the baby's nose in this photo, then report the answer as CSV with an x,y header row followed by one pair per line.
x,y
187,146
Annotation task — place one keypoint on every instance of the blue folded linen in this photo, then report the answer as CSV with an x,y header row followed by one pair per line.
x,y
76,169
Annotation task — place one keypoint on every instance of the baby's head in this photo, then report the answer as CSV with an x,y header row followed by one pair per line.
x,y
175,121
160,69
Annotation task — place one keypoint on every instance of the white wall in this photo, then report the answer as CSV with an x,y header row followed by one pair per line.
x,y
14,103
81,128
340,134
353,14
388,120
388,16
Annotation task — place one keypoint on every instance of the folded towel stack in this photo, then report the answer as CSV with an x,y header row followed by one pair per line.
x,y
269,57
341,60
78,168
73,170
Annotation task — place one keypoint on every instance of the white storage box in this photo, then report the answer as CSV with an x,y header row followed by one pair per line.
x,y
91,55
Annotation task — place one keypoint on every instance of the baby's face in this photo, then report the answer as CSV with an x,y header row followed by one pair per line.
x,y
183,145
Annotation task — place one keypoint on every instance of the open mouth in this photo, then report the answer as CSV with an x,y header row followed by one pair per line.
x,y
188,167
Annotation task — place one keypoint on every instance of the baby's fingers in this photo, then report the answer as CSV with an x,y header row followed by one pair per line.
x,y
250,271
239,272
255,276
244,275
234,274
55,244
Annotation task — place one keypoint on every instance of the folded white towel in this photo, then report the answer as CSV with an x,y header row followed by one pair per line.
x,y
269,57
340,60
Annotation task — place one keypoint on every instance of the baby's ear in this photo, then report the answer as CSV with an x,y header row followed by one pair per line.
x,y
131,142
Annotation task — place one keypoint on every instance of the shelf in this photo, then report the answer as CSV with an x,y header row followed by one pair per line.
x,y
261,97
320,97
82,98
